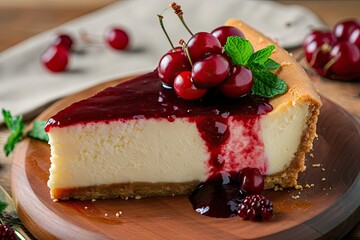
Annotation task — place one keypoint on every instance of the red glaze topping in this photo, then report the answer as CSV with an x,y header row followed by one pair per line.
x,y
144,97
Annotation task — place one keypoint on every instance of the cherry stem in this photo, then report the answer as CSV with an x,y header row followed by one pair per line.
x,y
183,43
164,30
331,62
179,12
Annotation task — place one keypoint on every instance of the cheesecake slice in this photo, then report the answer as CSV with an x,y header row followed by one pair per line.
x,y
139,138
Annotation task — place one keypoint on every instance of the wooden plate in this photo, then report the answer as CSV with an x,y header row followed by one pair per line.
x,y
330,208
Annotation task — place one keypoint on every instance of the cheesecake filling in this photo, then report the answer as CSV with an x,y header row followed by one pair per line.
x,y
281,132
183,150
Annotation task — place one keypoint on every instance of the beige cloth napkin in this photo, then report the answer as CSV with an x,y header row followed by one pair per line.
x,y
25,85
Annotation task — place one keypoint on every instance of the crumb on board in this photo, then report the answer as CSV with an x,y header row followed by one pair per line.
x,y
312,185
311,155
291,54
307,186
323,169
298,187
137,197
86,207
55,200
316,165
93,200
295,197
106,214
118,214
323,179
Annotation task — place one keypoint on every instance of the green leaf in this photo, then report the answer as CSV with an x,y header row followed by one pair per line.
x,y
239,49
2,206
262,55
38,131
271,64
254,66
267,84
16,127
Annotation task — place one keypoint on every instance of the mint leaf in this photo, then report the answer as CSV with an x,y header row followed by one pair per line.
x,y
2,206
267,84
38,131
271,64
239,49
256,66
262,55
16,127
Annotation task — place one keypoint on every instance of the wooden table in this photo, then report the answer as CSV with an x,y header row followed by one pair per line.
x,y
20,22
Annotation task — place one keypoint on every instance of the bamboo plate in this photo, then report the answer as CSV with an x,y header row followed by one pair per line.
x,y
329,209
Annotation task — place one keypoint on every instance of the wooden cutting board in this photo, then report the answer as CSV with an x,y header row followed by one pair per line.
x,y
328,209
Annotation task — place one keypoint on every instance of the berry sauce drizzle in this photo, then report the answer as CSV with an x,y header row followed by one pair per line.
x,y
144,97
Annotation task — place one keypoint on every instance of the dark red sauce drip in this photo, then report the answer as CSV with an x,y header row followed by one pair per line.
x,y
215,132
217,197
144,97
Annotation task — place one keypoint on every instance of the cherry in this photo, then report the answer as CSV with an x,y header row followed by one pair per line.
x,y
223,32
346,57
251,181
201,44
171,64
210,71
343,30
63,39
117,38
355,37
185,89
238,83
56,58
315,42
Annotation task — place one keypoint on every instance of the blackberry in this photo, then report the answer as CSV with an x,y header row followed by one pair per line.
x,y
255,207
7,233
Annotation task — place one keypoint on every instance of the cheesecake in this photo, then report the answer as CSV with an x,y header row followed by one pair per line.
x,y
140,139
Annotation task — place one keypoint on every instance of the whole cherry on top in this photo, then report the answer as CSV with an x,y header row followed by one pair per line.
x,y
335,54
201,63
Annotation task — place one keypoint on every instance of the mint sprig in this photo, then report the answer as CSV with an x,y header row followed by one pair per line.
x,y
38,131
266,83
17,126
271,64
3,205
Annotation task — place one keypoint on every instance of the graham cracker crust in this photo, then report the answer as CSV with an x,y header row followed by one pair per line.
x,y
124,190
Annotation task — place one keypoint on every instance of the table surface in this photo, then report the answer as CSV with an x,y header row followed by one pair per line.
x,y
19,22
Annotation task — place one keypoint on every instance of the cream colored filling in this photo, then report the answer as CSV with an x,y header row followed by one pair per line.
x,y
136,151
281,133
130,151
